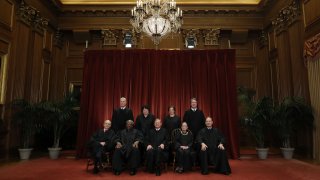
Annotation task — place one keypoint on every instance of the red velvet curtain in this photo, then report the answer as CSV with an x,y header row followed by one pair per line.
x,y
159,78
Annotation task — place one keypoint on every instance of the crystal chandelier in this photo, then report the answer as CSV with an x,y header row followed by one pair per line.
x,y
156,18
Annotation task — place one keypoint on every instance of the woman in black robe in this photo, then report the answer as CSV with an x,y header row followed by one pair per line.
x,y
183,147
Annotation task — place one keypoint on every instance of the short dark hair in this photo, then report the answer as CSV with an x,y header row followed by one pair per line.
x,y
146,106
173,107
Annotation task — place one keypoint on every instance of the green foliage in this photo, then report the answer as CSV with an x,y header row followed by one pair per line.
x,y
27,118
255,116
60,116
292,114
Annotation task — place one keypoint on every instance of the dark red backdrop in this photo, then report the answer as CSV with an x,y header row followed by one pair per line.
x,y
159,78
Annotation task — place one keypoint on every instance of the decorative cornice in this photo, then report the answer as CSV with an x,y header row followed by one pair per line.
x,y
211,36
110,37
187,13
287,16
31,16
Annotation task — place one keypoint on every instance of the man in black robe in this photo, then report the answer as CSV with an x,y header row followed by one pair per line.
x,y
212,149
183,146
194,117
156,143
121,115
127,149
102,141
171,122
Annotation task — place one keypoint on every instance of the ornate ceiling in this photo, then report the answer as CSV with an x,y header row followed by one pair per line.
x,y
191,2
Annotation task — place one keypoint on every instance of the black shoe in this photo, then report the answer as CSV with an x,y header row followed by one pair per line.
x,y
226,173
95,170
204,172
133,172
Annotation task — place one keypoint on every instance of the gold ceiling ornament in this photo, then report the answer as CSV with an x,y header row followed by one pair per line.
x,y
156,18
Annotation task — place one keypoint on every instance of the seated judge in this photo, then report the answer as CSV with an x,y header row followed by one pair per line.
x,y
127,149
212,149
121,115
183,146
102,141
156,143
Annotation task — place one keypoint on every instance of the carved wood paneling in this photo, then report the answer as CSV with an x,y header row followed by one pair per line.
x,y
6,14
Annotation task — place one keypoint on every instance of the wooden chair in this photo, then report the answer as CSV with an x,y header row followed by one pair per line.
x,y
104,165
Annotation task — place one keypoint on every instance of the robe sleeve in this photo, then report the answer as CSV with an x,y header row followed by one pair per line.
x,y
177,143
221,137
139,136
200,136
191,142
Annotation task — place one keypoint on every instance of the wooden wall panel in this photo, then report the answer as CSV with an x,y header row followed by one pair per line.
x,y
36,69
246,76
45,81
264,87
311,11
6,14
20,57
284,73
299,69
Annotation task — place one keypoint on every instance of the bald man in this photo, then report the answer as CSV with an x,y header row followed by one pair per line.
x,y
121,115
127,149
212,151
101,141
157,146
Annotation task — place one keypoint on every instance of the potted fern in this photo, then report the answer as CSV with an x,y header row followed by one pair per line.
x,y
256,117
60,117
292,114
26,118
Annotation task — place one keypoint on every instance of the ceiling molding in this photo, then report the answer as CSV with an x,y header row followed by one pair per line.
x,y
180,2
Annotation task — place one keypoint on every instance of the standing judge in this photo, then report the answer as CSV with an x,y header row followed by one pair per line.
x,y
171,121
127,149
212,149
121,115
145,121
194,117
156,143
102,141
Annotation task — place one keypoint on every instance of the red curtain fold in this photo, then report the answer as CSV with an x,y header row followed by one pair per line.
x,y
159,78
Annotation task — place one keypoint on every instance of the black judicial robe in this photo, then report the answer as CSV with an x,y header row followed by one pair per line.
x,y
144,124
213,155
195,120
171,123
127,152
96,148
119,118
156,155
101,136
183,156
